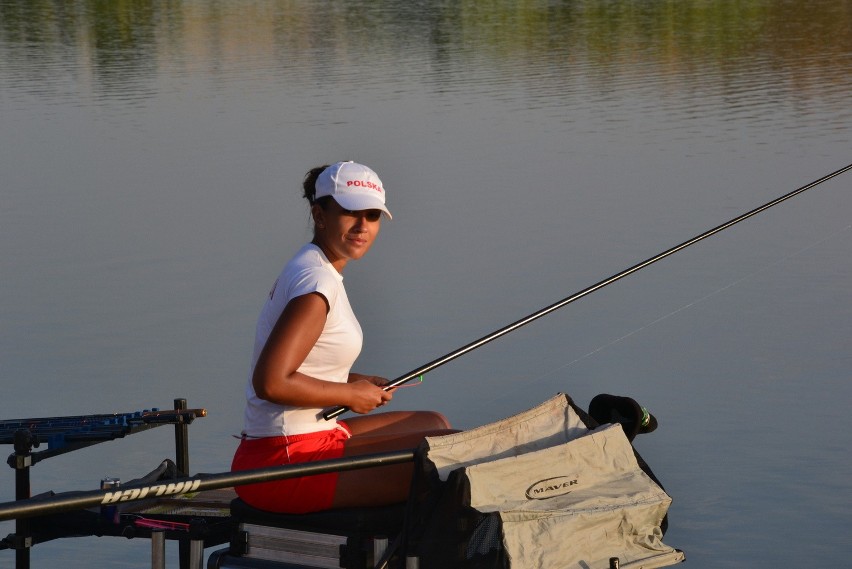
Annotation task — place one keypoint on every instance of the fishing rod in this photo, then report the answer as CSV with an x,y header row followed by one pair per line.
x,y
335,411
77,500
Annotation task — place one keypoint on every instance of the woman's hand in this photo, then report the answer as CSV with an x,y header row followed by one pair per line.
x,y
366,395
374,379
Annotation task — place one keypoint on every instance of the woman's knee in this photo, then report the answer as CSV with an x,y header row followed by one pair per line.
x,y
428,421
399,422
436,419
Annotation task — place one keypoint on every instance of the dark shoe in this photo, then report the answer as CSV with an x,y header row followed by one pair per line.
x,y
632,417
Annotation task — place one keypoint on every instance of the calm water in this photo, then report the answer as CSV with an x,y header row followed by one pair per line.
x,y
151,154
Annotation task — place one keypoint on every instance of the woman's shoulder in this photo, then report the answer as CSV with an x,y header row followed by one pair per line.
x,y
308,259
308,271
308,253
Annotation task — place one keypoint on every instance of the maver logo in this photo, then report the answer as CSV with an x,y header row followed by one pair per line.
x,y
551,487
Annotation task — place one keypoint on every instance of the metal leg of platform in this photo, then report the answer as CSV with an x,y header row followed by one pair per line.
x,y
181,441
158,549
196,554
22,462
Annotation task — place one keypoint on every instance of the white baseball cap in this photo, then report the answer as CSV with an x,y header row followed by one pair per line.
x,y
353,186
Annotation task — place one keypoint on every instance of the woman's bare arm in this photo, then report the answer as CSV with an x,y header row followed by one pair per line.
x,y
276,378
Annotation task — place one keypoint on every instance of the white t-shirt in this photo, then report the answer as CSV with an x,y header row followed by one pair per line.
x,y
330,359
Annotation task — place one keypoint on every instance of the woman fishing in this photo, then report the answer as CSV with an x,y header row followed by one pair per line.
x,y
307,340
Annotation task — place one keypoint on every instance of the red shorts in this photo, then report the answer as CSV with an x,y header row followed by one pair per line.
x,y
292,495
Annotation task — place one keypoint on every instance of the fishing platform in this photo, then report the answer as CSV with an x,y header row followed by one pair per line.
x,y
446,522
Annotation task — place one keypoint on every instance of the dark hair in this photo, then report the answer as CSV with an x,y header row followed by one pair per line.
x,y
309,185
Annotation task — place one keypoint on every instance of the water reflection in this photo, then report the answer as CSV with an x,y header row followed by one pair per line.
x,y
125,43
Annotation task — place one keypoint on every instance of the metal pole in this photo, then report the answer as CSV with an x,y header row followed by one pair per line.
x,y
182,464
196,554
158,549
133,492
380,545
181,441
23,444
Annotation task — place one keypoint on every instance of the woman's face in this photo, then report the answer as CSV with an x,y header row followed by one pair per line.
x,y
343,234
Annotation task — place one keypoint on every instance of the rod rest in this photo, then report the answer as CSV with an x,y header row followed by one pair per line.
x,y
380,520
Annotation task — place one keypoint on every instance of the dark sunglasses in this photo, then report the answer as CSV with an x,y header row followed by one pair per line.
x,y
369,214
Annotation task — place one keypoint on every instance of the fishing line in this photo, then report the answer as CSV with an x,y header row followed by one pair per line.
x,y
687,306
335,411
